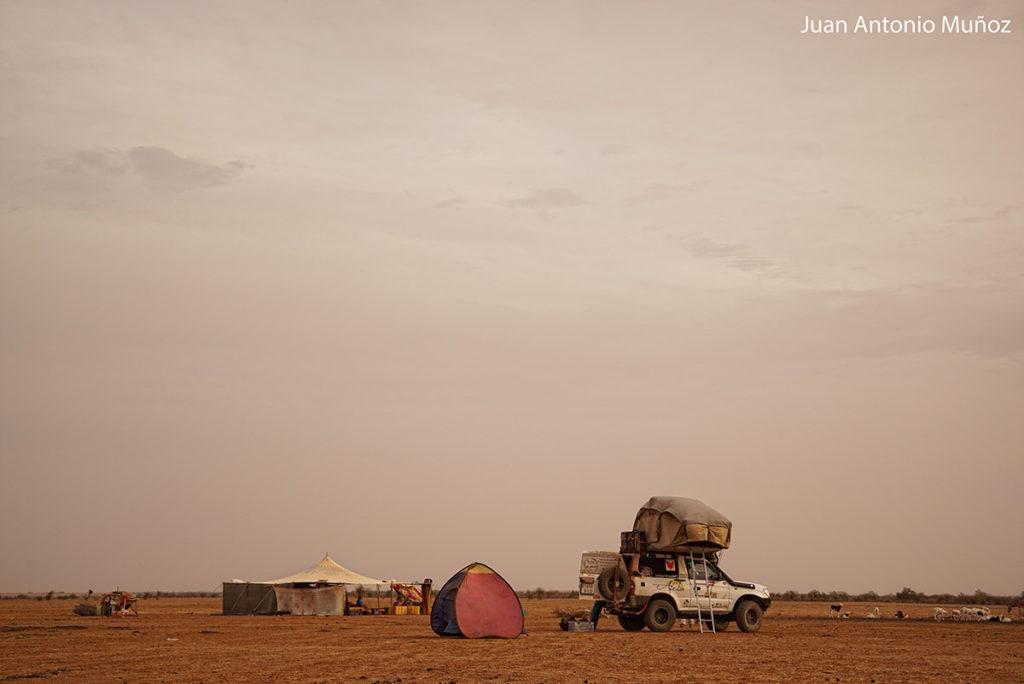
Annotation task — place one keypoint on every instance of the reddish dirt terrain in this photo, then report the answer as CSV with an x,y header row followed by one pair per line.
x,y
187,640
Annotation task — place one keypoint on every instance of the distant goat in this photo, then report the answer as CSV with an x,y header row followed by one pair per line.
x,y
976,614
900,615
845,615
874,614
955,614
940,614
835,610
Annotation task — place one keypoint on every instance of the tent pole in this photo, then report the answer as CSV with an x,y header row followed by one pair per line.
x,y
427,588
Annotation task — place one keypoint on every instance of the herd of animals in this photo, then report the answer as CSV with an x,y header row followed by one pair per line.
x,y
982,614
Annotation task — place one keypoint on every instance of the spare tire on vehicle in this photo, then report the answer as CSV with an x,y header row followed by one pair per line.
x,y
613,583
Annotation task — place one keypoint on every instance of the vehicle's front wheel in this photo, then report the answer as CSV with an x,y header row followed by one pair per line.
x,y
748,615
660,615
631,623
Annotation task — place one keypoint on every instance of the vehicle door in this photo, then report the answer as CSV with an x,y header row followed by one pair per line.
x,y
678,586
712,589
662,574
720,589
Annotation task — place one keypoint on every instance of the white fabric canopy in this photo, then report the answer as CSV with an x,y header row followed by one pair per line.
x,y
326,571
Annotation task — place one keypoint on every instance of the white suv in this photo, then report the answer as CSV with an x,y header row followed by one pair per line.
x,y
663,587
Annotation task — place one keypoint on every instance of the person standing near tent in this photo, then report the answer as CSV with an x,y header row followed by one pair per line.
x,y
595,611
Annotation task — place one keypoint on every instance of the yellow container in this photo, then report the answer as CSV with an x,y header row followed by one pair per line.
x,y
406,610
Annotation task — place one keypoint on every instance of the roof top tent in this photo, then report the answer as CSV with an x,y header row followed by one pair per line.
x,y
476,603
675,523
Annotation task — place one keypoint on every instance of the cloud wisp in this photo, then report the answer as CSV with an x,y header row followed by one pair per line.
x,y
155,166
548,198
734,255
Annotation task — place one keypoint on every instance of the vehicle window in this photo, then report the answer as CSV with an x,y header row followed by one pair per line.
x,y
695,570
659,567
666,567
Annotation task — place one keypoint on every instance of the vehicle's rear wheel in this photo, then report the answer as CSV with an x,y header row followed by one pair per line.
x,y
613,583
660,615
721,624
748,615
631,623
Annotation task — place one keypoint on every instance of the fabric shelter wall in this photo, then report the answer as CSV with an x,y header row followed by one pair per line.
x,y
311,601
248,598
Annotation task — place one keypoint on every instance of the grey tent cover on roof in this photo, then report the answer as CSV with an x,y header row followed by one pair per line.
x,y
674,523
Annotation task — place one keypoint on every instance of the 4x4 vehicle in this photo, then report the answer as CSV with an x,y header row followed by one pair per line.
x,y
653,590
667,569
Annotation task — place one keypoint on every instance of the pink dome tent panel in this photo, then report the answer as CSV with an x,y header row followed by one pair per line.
x,y
476,603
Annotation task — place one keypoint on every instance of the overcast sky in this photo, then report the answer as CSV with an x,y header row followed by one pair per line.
x,y
423,283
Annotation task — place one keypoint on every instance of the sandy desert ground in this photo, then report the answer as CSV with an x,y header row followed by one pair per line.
x,y
187,640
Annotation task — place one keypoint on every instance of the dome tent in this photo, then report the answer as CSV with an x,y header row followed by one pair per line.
x,y
477,602
674,523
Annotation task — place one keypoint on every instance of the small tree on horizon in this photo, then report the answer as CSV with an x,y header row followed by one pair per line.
x,y
907,594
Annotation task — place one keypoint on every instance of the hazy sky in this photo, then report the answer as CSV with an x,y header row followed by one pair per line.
x,y
423,283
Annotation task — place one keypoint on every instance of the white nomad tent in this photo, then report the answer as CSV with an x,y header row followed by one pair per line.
x,y
326,572
317,590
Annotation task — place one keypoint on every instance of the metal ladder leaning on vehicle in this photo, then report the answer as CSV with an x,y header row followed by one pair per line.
x,y
695,583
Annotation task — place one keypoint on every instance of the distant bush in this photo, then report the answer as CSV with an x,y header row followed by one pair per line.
x,y
904,595
149,594
908,595
540,593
